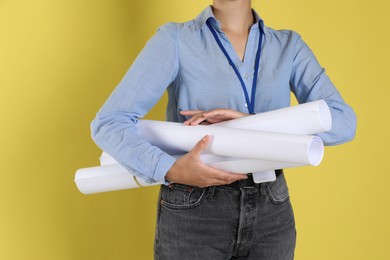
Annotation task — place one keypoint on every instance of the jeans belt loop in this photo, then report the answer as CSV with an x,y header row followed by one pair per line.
x,y
210,192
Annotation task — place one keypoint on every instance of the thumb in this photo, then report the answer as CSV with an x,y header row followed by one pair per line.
x,y
201,145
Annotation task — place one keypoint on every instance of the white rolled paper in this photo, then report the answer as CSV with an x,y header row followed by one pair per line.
x,y
301,149
106,178
309,118
112,176
230,164
239,150
305,119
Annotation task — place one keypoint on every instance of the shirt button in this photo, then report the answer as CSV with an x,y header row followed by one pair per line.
x,y
246,75
246,105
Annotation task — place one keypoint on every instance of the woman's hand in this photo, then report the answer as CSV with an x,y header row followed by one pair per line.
x,y
190,170
211,116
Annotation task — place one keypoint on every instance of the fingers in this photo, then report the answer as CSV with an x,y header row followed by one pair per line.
x,y
213,176
190,170
196,119
190,112
223,180
224,113
201,117
201,145
211,116
195,114
218,112
225,177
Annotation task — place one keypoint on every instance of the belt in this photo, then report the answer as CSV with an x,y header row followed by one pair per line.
x,y
249,181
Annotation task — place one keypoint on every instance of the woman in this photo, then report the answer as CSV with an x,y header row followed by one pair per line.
x,y
224,64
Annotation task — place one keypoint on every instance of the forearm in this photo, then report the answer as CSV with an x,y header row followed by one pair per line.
x,y
310,82
116,134
114,128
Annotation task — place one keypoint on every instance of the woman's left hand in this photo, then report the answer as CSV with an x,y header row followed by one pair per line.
x,y
211,116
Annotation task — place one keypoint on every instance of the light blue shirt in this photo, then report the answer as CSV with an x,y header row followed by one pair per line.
x,y
185,59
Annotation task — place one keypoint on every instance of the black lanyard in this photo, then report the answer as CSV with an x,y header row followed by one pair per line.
x,y
250,103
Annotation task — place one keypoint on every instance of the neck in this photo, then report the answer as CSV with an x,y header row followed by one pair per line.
x,y
233,15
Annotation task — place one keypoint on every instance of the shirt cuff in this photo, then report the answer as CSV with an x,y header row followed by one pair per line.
x,y
165,163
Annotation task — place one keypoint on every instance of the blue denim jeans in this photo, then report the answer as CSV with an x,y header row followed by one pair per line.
x,y
223,222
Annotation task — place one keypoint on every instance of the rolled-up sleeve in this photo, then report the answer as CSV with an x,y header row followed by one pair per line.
x,y
310,82
113,128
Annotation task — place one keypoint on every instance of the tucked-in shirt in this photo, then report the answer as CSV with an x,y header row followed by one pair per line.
x,y
185,60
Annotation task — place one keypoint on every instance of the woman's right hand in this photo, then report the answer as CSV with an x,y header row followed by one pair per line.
x,y
190,170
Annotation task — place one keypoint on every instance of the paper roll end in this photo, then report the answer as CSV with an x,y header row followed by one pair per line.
x,y
79,183
316,151
80,187
325,115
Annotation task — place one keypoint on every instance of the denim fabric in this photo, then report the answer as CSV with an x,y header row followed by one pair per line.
x,y
222,222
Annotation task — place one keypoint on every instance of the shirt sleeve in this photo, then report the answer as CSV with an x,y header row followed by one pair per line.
x,y
310,82
113,128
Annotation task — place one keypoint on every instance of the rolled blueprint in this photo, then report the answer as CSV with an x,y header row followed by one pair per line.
x,y
239,154
307,119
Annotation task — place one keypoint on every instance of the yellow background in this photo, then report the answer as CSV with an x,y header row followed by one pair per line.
x,y
59,61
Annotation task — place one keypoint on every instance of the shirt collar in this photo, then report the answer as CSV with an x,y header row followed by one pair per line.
x,y
207,14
